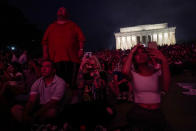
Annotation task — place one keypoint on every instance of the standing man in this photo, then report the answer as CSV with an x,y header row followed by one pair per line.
x,y
63,43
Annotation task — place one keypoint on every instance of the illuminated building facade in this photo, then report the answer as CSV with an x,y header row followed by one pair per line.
x,y
159,33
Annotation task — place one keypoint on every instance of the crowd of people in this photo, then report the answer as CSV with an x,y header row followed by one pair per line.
x,y
100,78
67,89
179,55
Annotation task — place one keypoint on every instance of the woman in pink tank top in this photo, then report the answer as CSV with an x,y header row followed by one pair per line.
x,y
148,83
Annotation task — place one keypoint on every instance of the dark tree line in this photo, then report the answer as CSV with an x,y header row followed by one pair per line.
x,y
15,29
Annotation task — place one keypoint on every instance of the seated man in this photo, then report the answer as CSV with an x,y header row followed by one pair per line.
x,y
49,89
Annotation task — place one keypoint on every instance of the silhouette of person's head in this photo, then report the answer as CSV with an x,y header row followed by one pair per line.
x,y
62,13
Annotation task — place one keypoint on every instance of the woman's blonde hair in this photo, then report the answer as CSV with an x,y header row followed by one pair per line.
x,y
86,60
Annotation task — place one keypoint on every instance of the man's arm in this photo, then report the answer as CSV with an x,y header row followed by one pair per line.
x,y
32,99
81,44
51,104
45,51
45,43
55,99
81,40
81,50
30,105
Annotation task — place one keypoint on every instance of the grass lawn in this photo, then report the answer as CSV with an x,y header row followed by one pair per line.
x,y
179,109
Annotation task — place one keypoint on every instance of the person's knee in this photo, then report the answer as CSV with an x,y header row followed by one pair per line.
x,y
51,113
17,112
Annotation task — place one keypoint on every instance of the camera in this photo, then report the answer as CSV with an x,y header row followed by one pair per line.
x,y
12,47
88,54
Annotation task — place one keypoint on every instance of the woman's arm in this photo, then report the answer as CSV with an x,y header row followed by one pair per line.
x,y
130,95
166,78
127,65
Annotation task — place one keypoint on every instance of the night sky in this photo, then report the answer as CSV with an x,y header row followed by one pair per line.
x,y
100,19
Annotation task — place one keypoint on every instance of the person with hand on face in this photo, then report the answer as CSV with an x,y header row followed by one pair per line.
x,y
147,85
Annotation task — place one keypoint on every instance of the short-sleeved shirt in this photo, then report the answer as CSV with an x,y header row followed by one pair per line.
x,y
63,41
55,90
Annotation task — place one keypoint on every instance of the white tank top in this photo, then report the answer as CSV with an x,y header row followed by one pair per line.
x,y
146,88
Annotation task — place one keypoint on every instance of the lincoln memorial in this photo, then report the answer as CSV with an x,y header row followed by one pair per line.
x,y
159,33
